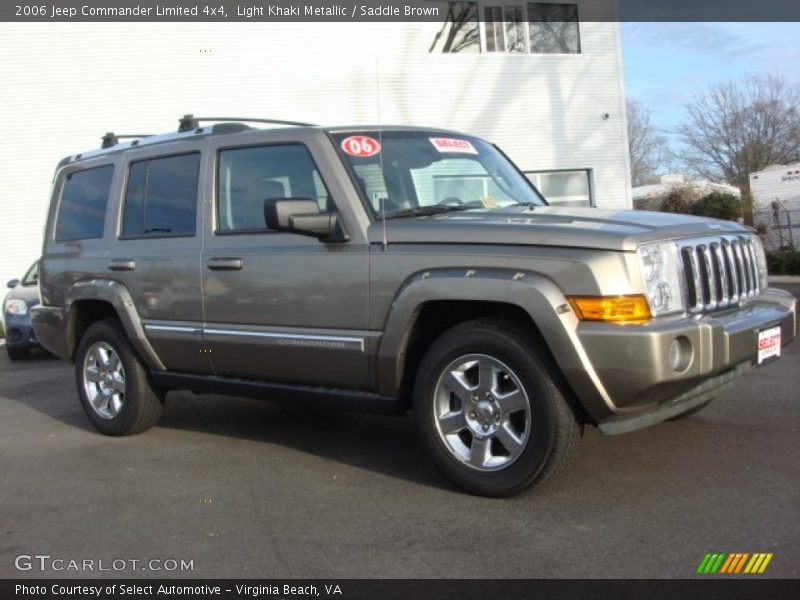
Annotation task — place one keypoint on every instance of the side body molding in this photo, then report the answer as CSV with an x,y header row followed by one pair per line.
x,y
537,295
116,294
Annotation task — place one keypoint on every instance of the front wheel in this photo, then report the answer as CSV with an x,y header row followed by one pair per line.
x,y
113,384
491,415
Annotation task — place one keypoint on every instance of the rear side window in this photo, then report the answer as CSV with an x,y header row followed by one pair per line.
x,y
161,197
82,210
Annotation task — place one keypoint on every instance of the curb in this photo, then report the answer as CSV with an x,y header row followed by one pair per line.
x,y
784,279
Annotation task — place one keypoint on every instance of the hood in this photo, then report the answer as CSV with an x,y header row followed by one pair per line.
x,y
620,230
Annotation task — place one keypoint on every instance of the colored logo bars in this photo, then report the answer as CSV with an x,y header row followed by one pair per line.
x,y
738,562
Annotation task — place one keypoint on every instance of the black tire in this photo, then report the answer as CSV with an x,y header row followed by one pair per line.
x,y
553,432
142,404
691,411
18,353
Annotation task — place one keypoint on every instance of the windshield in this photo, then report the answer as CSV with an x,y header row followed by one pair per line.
x,y
32,276
409,173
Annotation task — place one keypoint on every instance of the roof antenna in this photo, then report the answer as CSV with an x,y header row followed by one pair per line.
x,y
380,156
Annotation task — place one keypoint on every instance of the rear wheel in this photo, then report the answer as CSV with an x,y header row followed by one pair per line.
x,y
113,384
17,353
491,415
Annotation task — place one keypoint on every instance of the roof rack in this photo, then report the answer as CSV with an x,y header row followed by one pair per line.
x,y
189,122
112,139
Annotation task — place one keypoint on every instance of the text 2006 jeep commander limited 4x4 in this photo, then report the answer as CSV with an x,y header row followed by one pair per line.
x,y
391,268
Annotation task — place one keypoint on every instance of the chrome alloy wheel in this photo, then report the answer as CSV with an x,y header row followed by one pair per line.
x,y
482,412
104,380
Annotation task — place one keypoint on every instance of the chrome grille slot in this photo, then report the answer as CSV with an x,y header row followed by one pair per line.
x,y
718,272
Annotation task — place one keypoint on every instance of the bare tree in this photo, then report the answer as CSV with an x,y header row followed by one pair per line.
x,y
736,127
648,148
459,33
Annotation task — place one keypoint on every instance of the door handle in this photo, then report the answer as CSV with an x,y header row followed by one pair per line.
x,y
122,264
225,264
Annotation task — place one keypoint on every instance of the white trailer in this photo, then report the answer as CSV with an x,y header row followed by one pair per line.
x,y
776,205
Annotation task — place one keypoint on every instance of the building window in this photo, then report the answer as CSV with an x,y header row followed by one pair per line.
x,y
564,188
460,31
82,210
161,197
519,28
553,28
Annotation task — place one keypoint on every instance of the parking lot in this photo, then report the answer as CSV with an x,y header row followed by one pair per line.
x,y
244,488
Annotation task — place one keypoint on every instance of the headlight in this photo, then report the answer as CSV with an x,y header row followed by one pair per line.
x,y
761,263
16,307
660,270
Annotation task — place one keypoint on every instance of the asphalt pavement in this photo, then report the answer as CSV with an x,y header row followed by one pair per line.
x,y
245,488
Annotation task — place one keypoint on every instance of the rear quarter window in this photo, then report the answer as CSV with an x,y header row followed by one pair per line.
x,y
84,198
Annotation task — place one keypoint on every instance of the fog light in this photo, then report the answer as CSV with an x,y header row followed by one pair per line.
x,y
680,353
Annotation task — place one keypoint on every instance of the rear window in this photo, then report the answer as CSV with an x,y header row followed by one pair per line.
x,y
82,210
161,197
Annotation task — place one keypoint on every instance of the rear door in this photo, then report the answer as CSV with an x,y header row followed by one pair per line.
x,y
157,251
281,306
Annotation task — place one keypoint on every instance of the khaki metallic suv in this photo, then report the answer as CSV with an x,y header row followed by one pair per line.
x,y
391,269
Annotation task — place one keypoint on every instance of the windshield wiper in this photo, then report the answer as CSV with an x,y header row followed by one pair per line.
x,y
425,211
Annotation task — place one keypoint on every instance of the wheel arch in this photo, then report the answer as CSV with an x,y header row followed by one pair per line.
x,y
431,302
93,300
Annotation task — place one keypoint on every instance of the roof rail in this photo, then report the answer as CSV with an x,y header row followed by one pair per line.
x,y
112,139
189,122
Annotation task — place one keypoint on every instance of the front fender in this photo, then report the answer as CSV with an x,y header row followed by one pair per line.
x,y
537,295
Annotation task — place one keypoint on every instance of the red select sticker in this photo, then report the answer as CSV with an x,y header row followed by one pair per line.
x,y
453,145
360,145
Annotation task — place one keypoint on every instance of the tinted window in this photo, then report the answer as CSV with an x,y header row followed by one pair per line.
x,y
134,199
161,196
84,198
248,176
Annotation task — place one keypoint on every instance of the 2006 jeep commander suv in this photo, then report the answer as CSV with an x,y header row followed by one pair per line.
x,y
391,268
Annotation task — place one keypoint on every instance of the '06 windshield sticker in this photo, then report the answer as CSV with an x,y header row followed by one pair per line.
x,y
361,145
453,145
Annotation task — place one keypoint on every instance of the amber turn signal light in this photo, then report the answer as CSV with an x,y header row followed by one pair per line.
x,y
614,309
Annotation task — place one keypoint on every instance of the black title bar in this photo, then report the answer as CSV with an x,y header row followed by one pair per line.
x,y
732,588
378,10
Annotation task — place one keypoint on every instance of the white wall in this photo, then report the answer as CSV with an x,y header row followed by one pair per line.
x,y
63,85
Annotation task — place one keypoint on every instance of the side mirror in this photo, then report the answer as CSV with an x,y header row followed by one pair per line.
x,y
12,283
302,216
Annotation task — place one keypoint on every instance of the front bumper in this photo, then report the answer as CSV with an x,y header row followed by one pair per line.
x,y
632,365
19,333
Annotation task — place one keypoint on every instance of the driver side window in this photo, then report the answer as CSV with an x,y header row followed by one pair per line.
x,y
249,176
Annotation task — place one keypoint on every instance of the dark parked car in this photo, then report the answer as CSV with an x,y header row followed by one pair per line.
x,y
17,314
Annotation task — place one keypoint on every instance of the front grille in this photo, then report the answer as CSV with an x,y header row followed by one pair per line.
x,y
719,271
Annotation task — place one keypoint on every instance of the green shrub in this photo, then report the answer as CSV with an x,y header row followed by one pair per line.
x,y
2,330
783,262
717,205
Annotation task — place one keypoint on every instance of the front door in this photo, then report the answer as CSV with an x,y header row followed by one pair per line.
x,y
281,306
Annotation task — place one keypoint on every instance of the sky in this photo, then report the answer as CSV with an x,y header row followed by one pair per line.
x,y
665,63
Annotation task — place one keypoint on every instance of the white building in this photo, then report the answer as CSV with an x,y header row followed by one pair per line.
x,y
549,94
